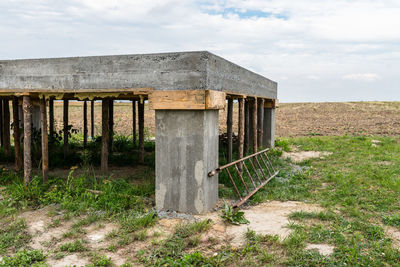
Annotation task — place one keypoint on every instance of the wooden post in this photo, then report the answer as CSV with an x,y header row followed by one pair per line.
x,y
17,135
1,123
6,128
260,124
246,127
141,131
104,134
65,119
241,127
92,119
134,122
27,108
85,128
111,124
51,118
229,121
254,125
45,144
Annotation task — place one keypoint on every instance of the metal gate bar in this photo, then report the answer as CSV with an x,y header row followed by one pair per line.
x,y
255,180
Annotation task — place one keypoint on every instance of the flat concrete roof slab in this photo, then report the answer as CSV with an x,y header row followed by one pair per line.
x,y
165,71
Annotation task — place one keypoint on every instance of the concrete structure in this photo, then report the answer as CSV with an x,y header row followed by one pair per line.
x,y
186,89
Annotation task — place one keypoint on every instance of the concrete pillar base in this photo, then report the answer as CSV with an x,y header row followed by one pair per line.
x,y
269,127
186,150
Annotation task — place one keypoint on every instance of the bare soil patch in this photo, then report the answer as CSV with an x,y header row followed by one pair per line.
x,y
323,249
300,156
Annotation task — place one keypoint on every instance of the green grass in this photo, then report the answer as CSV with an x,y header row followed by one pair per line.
x,y
24,258
357,186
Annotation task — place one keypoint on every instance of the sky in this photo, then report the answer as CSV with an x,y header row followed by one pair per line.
x,y
317,50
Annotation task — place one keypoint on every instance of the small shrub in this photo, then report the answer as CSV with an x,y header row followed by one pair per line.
x,y
24,258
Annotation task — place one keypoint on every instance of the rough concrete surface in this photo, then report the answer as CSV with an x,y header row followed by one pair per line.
x,y
186,150
166,71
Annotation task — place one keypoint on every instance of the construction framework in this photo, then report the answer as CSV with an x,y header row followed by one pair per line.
x,y
186,90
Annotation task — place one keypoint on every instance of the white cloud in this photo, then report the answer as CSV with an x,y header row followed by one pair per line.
x,y
365,77
354,40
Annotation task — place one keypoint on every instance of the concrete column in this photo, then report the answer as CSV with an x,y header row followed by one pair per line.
x,y
269,127
186,150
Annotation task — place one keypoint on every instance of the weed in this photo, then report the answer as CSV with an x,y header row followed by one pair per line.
x,y
233,216
393,220
76,246
24,258
13,235
100,260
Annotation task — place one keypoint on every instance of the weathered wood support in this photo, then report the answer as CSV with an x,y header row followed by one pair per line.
x,y
134,122
241,129
246,127
260,124
141,131
45,144
51,118
17,135
229,122
254,124
105,138
85,128
65,131
111,124
6,128
1,123
27,108
92,119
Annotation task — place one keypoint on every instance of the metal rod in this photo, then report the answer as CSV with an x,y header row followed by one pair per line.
x,y
241,178
248,173
233,182
219,169
269,161
266,166
243,200
261,168
255,170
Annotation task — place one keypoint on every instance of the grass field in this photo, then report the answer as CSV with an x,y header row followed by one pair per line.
x,y
106,221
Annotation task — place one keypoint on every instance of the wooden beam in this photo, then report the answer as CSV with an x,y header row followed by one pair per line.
x,y
1,123
271,103
65,129
241,129
105,134
45,144
134,122
92,119
6,128
246,127
141,132
254,124
17,135
111,124
51,118
187,100
229,122
27,108
85,127
260,118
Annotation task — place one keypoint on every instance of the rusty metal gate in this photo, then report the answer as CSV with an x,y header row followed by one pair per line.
x,y
252,172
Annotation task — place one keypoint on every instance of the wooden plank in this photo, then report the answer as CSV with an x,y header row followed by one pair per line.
x,y
6,128
271,103
260,118
92,119
241,130
65,128
229,122
215,99
187,100
254,125
246,144
134,122
111,125
27,108
45,145
141,132
51,118
17,135
85,127
105,134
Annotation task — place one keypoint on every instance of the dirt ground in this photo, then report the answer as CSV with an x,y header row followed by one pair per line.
x,y
292,119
